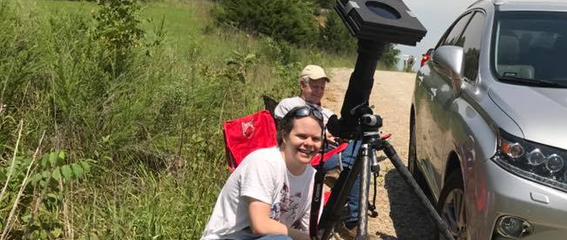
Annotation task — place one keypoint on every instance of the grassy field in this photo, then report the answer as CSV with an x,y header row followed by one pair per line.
x,y
127,141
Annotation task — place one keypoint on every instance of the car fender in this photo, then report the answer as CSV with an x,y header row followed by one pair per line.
x,y
473,140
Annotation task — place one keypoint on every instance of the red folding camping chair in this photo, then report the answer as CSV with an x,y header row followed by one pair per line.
x,y
247,134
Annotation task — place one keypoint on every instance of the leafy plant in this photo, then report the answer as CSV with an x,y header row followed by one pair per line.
x,y
35,193
238,65
118,29
118,23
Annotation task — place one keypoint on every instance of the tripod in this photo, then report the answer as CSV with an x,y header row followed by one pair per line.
x,y
368,128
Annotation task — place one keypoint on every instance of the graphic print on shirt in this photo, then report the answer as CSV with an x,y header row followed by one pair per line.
x,y
276,209
287,208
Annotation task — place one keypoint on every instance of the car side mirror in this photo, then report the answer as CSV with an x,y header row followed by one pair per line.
x,y
449,62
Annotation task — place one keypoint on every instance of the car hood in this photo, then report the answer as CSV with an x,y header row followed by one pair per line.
x,y
540,113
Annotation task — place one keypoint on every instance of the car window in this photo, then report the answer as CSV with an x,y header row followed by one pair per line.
x,y
452,37
530,48
470,41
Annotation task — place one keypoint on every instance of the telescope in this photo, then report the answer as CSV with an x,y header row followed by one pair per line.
x,y
376,24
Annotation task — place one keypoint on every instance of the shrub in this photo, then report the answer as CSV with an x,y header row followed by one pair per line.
x,y
290,20
390,57
280,51
118,29
118,23
328,4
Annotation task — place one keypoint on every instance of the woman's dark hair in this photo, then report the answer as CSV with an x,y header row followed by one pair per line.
x,y
285,125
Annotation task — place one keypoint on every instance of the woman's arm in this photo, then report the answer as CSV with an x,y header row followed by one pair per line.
x,y
263,225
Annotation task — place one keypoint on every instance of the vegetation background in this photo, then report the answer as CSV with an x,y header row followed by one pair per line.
x,y
111,111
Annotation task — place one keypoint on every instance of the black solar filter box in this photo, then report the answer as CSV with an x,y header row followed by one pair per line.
x,y
381,21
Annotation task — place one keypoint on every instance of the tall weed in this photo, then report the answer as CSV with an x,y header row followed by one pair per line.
x,y
21,67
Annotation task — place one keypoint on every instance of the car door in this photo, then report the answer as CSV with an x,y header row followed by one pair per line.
x,y
436,91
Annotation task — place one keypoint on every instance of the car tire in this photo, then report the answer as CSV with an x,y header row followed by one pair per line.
x,y
412,159
451,205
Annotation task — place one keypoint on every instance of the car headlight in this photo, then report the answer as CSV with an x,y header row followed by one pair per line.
x,y
534,161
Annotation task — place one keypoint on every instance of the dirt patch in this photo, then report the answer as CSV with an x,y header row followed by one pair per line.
x,y
400,215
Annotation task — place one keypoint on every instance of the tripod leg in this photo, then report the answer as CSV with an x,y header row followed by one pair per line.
x,y
364,186
406,175
333,213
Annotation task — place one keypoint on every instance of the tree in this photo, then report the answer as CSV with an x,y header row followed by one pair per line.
x,y
289,20
335,37
390,57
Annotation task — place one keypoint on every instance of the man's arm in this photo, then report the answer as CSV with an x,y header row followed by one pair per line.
x,y
263,225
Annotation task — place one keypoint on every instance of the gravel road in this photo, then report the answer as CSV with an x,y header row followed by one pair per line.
x,y
400,215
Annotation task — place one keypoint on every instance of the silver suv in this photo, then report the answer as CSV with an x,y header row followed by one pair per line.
x,y
488,133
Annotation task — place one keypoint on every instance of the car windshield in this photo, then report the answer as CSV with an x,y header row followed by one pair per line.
x,y
531,48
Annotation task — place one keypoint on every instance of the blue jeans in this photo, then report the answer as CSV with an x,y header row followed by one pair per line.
x,y
271,237
348,157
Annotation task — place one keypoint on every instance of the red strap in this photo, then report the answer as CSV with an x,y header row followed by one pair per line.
x,y
329,154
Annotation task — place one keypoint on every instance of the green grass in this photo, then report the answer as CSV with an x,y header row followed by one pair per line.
x,y
167,105
183,25
67,6
189,25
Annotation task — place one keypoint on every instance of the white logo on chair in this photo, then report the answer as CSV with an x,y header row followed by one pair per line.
x,y
248,129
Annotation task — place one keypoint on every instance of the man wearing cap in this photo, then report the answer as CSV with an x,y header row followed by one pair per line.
x,y
312,84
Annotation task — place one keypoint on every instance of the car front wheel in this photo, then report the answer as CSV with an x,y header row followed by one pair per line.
x,y
451,206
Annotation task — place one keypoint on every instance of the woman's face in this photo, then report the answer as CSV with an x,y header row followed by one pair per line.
x,y
304,140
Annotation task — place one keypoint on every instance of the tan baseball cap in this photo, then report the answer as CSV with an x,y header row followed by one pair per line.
x,y
315,72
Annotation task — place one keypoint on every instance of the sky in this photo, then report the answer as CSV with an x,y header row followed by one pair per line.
x,y
435,16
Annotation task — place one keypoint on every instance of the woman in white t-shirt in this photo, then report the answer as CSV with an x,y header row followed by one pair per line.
x,y
268,196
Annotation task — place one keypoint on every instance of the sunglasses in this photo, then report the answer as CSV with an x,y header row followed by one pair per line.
x,y
306,111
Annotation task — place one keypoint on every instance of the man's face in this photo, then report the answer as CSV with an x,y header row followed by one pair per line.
x,y
313,91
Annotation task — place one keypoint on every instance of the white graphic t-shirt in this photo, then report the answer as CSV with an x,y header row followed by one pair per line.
x,y
262,175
